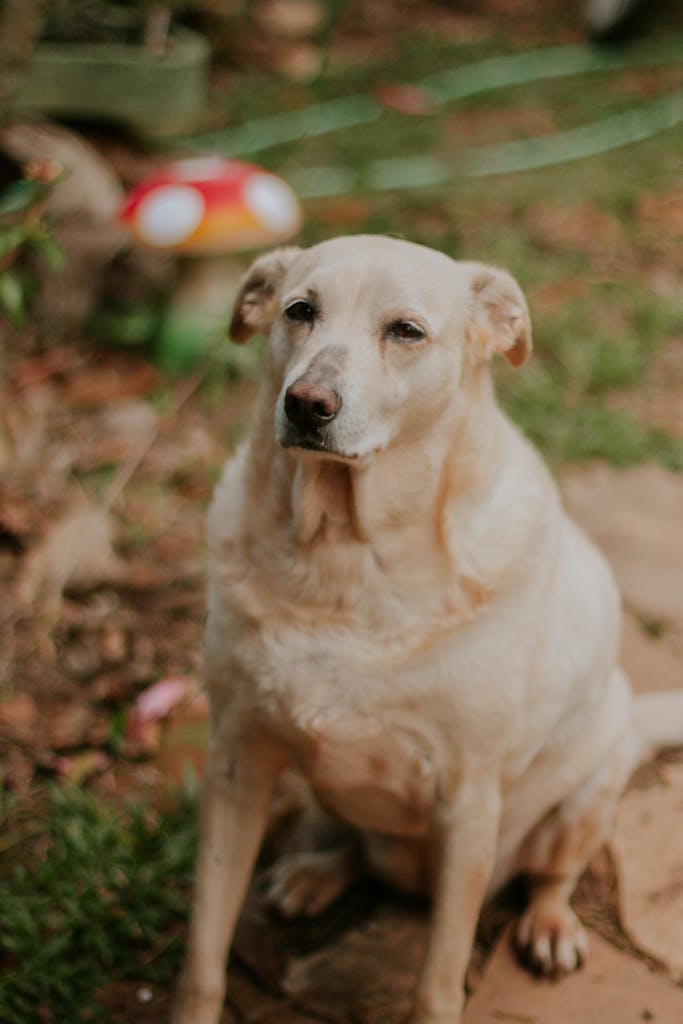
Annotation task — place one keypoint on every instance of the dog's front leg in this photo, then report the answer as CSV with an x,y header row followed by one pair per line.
x,y
465,839
238,781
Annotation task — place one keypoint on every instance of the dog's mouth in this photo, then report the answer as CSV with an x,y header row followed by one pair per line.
x,y
317,443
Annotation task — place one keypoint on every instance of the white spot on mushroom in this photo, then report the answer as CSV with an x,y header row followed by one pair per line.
x,y
170,214
271,202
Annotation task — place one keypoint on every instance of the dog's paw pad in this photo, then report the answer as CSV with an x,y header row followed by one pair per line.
x,y
551,940
305,884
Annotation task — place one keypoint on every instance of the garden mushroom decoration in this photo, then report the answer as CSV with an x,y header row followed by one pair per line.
x,y
211,205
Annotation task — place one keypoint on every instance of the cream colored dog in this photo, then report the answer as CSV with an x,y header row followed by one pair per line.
x,y
400,609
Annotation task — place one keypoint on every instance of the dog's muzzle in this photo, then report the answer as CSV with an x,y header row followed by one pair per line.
x,y
309,408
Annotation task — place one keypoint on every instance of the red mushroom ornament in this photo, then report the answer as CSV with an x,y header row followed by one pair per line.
x,y
211,205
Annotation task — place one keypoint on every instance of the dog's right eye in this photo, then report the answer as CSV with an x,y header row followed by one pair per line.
x,y
300,312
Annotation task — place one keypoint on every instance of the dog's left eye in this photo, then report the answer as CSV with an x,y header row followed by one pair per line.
x,y
404,330
300,312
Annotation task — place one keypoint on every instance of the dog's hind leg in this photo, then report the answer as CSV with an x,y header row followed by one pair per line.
x,y
549,936
304,884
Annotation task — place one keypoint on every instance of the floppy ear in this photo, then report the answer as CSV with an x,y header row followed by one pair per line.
x,y
499,322
255,303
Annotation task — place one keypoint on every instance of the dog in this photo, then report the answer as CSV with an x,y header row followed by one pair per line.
x,y
399,608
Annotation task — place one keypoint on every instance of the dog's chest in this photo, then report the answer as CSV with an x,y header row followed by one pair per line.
x,y
354,732
373,773
369,715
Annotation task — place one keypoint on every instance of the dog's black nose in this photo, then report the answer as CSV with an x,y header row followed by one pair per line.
x,y
310,405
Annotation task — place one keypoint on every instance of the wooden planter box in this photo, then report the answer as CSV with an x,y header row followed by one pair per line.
x,y
154,94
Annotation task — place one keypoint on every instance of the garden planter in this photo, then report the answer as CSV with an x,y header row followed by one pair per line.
x,y
152,93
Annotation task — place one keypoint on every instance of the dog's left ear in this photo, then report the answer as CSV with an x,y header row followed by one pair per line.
x,y
255,303
499,323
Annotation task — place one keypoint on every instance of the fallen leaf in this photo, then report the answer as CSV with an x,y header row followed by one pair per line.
x,y
290,19
17,768
549,298
584,227
406,99
345,210
69,726
80,767
114,645
661,212
34,370
18,714
15,517
299,61
484,126
95,386
158,702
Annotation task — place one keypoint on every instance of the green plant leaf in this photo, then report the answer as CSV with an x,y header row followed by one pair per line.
x,y
22,195
51,252
12,297
12,239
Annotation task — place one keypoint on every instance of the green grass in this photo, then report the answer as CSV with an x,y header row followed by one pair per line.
x,y
567,432
599,344
96,898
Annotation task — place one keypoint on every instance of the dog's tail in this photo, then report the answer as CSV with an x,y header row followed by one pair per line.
x,y
659,719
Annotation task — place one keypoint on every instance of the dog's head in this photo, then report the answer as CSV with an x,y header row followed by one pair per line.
x,y
370,336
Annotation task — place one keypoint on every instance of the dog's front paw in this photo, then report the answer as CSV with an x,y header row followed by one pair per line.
x,y
551,940
305,884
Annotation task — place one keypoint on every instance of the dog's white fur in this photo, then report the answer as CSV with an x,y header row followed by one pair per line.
x,y
405,615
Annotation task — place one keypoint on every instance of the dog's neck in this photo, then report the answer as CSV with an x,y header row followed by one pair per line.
x,y
325,502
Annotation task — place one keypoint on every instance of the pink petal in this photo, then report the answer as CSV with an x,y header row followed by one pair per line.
x,y
160,699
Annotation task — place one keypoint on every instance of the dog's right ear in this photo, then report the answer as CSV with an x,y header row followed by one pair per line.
x,y
255,303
